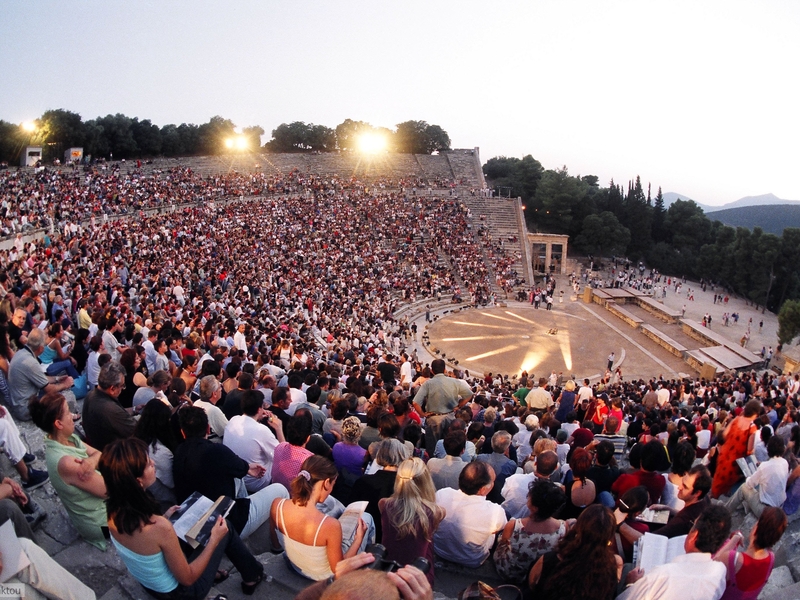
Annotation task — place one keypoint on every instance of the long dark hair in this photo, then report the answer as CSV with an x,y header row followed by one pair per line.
x,y
154,425
129,505
587,568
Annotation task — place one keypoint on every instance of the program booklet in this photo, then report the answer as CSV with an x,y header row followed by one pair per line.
x,y
654,516
747,465
14,557
350,517
653,550
196,517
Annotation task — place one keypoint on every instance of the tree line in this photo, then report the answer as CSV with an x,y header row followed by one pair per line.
x,y
630,221
119,136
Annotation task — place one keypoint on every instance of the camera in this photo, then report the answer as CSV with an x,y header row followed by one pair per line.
x,y
390,566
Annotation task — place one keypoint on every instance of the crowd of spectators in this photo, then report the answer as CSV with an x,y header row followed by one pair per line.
x,y
266,329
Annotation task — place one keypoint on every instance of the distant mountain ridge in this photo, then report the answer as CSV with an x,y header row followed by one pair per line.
x,y
762,200
772,218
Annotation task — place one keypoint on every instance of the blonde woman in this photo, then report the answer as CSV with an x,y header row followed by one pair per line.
x,y
410,516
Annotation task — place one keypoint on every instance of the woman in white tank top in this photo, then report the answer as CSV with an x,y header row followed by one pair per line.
x,y
313,541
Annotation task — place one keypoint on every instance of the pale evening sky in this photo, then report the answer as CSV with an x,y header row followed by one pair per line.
x,y
697,97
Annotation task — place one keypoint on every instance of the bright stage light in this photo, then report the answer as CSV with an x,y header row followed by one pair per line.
x,y
371,143
237,142
29,126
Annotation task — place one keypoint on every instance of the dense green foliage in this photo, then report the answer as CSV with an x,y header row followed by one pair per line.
x,y
789,321
118,136
679,240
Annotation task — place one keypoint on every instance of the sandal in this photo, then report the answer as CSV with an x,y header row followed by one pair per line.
x,y
221,576
249,588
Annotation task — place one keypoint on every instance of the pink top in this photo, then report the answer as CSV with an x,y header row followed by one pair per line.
x,y
751,578
287,462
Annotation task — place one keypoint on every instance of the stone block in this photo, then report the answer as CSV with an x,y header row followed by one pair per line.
x,y
790,592
779,580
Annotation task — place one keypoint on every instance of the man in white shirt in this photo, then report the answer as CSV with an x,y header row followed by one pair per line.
x,y
515,489
239,341
691,576
252,441
539,398
298,395
663,395
468,531
406,372
150,353
585,392
767,486
210,393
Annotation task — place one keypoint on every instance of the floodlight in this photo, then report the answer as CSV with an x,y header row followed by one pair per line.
x,y
29,126
229,143
241,142
371,142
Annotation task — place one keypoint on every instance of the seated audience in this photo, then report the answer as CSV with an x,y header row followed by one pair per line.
x,y
313,541
445,471
467,533
155,429
200,465
578,488
749,571
524,540
291,454
502,465
72,466
104,419
252,441
645,475
516,488
583,564
691,576
210,394
380,484
767,486
410,517
146,541
348,455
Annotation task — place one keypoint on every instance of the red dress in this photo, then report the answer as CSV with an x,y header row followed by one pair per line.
x,y
735,446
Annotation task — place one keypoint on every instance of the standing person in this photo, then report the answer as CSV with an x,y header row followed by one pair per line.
x,y
740,438
146,541
437,399
566,401
410,516
610,364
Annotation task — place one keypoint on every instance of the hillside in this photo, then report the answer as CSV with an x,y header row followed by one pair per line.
x,y
772,218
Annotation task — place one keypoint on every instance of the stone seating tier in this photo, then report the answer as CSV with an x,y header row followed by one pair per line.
x,y
662,312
